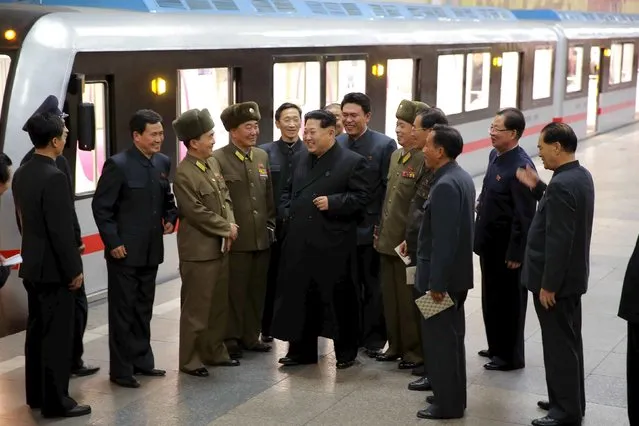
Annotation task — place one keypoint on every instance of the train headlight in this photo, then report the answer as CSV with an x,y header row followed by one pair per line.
x,y
158,86
10,35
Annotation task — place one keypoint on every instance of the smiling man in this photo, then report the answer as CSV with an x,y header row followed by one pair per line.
x,y
134,207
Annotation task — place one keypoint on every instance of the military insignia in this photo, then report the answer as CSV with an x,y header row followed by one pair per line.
x,y
251,110
239,155
498,178
200,165
409,173
262,171
406,158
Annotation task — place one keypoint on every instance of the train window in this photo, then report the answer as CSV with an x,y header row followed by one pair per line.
x,y
574,70
399,87
88,164
477,81
626,63
205,88
5,62
298,83
542,74
343,77
450,83
616,57
509,80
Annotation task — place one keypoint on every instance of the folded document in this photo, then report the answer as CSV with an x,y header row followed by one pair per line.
x,y
13,260
428,307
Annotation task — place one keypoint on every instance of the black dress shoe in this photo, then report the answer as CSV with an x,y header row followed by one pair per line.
x,y
549,421
259,347
497,366
387,357
372,353
431,413
288,361
430,399
407,365
484,353
227,363
198,372
544,405
85,370
77,411
421,384
154,372
267,339
341,365
126,382
236,354
419,371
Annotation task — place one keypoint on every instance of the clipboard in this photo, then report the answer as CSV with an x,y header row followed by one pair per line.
x,y
405,259
429,308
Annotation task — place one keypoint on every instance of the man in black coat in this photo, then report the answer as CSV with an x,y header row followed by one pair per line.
x,y
629,310
504,212
556,268
445,266
288,119
78,367
377,149
317,294
134,207
51,269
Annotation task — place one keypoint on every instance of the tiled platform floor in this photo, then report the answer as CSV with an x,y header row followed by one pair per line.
x,y
372,393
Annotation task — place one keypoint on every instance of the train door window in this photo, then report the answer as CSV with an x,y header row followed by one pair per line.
x,y
626,63
509,80
616,57
205,88
399,87
593,89
542,74
297,83
477,81
450,83
88,164
343,77
5,62
575,68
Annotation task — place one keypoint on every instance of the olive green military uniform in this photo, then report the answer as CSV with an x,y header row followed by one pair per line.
x,y
400,311
206,215
248,177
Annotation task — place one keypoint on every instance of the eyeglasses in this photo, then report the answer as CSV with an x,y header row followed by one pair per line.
x,y
492,129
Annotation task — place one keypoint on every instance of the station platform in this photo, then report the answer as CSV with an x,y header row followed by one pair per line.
x,y
260,392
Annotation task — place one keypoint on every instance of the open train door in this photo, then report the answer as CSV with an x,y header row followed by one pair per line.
x,y
594,88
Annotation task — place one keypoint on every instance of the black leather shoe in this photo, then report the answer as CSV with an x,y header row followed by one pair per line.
x,y
126,382
387,357
77,411
154,372
85,370
496,366
259,347
227,363
341,365
236,354
267,339
198,372
544,405
421,384
407,365
419,371
288,361
549,421
373,353
431,413
484,353
430,399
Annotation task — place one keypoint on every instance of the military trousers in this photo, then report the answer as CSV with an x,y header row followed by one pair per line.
x,y
400,311
203,312
247,290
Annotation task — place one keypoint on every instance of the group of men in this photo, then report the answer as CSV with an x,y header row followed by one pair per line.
x,y
259,225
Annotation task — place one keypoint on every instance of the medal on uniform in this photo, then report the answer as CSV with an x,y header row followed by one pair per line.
x,y
409,172
262,171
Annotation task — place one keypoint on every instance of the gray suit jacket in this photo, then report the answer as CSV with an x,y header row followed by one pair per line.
x,y
445,242
557,255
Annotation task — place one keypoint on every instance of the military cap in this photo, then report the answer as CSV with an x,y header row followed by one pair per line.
x,y
50,105
407,110
192,124
240,113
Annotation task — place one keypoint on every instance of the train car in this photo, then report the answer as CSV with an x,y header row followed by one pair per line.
x,y
120,61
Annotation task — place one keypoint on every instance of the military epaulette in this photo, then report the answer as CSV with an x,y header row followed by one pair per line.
x,y
406,157
243,157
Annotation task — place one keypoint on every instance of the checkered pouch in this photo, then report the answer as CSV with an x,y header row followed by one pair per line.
x,y
428,307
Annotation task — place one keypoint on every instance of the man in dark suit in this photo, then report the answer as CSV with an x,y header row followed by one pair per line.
x,y
51,269
133,207
78,367
629,310
322,203
504,212
5,183
377,149
445,266
288,119
556,267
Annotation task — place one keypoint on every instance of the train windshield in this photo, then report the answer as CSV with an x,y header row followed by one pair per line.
x,y
5,62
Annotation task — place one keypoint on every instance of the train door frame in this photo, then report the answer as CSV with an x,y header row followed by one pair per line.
x,y
594,89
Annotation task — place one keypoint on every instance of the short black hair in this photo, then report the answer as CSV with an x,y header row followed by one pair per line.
x,y
5,164
325,118
513,120
448,138
141,118
431,116
285,106
562,133
358,98
43,128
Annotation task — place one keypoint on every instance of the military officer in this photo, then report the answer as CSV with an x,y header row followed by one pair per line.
x,y
207,229
288,119
247,174
402,317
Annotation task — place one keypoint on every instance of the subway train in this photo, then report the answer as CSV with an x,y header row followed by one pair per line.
x,y
106,64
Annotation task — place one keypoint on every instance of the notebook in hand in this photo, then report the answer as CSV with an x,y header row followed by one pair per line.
x,y
428,307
